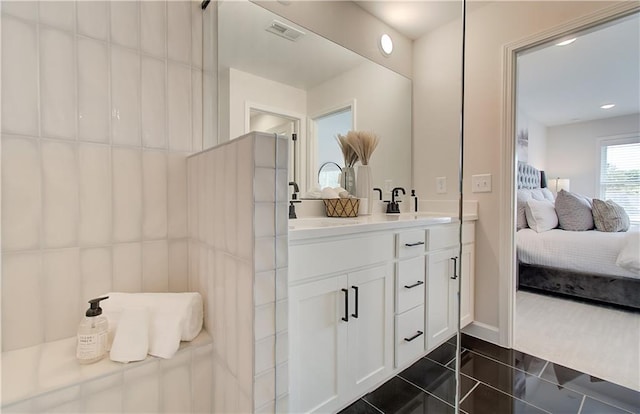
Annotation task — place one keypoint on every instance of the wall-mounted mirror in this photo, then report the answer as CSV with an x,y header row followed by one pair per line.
x,y
276,76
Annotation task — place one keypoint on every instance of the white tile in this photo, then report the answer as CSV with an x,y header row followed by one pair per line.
x,y
203,272
176,376
196,112
264,254
142,388
219,219
282,216
264,185
282,251
282,404
282,283
127,267
245,404
61,277
265,354
179,106
155,266
19,77
231,312
58,400
104,395
282,153
57,84
153,26
231,396
93,90
210,198
265,288
209,106
127,194
282,347
60,194
194,265
177,196
265,154
192,206
204,217
21,194
60,14
93,19
265,220
282,186
201,380
95,272
125,23
21,276
244,320
268,408
196,34
264,388
24,9
153,102
125,96
219,314
231,199
219,381
179,31
265,321
94,166
178,266
282,379
154,201
282,315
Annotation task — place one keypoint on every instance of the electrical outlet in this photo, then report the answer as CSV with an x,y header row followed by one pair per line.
x,y
441,185
481,183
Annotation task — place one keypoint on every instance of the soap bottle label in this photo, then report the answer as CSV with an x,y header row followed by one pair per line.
x,y
91,345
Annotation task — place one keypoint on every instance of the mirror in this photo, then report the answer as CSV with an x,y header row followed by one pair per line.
x,y
276,76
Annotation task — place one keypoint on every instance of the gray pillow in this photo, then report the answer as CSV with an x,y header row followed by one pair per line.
x,y
609,216
574,211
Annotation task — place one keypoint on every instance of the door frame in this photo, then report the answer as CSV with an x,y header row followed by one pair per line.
x,y
507,202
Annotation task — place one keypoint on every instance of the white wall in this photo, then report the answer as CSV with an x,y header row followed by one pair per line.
x,y
383,105
489,29
247,88
573,151
537,149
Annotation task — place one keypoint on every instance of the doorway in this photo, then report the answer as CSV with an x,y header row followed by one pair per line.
x,y
562,88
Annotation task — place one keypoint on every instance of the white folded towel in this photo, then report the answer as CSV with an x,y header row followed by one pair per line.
x,y
329,193
131,341
172,317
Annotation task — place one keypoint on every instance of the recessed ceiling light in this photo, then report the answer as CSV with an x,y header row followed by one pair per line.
x,y
608,106
566,42
386,44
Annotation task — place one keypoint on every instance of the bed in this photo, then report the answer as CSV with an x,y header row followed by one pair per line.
x,y
578,264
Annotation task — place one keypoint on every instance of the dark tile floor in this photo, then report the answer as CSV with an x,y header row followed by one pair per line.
x,y
494,380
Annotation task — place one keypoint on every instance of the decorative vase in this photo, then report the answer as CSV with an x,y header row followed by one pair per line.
x,y
349,180
364,186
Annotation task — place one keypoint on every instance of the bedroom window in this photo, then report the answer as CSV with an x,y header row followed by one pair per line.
x,y
620,174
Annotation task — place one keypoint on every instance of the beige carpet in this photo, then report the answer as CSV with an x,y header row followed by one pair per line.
x,y
599,341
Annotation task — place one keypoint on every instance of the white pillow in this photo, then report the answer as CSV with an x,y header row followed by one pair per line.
x,y
541,215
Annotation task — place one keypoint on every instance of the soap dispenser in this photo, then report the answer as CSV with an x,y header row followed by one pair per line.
x,y
413,204
92,334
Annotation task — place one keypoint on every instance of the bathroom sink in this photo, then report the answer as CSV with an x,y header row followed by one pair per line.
x,y
319,222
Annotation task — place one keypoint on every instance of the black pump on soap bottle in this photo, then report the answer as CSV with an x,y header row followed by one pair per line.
x,y
92,334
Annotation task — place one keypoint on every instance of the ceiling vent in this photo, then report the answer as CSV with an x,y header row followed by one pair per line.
x,y
285,31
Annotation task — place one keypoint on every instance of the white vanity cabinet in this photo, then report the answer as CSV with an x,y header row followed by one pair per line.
x,y
341,324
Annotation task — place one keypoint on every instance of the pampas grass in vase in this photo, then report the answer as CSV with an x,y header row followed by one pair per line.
x,y
363,144
350,158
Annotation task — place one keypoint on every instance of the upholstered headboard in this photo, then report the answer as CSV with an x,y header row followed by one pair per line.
x,y
530,177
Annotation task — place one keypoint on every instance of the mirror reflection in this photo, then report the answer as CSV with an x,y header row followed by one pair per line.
x,y
275,76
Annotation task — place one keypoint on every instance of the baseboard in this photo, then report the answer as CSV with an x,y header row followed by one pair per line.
x,y
483,331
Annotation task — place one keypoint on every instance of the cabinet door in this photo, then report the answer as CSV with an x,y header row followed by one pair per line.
x,y
467,291
370,329
319,337
441,293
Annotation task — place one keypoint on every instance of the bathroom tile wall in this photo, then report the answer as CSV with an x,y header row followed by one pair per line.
x,y
238,227
101,104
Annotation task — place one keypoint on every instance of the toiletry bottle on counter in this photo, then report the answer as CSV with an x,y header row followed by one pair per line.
x,y
92,334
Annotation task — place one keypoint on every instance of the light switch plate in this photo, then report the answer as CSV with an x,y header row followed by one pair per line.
x,y
481,183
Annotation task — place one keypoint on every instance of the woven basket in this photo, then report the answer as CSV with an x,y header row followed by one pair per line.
x,y
342,207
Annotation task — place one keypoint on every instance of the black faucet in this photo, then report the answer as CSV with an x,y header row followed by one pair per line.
x,y
379,190
393,207
294,199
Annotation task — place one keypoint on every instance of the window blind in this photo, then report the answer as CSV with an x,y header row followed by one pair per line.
x,y
620,176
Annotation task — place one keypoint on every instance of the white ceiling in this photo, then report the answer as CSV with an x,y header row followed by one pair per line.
x,y
565,84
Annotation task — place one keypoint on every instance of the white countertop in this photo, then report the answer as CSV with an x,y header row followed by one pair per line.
x,y
313,227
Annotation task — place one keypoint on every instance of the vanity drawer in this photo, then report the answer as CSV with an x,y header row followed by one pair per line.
x,y
439,237
409,335
410,243
410,283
